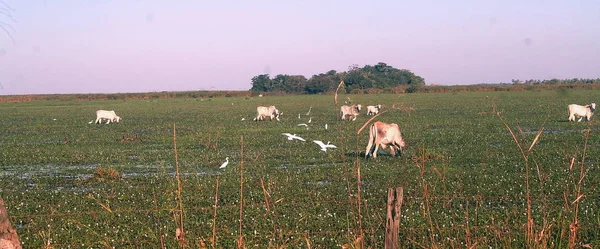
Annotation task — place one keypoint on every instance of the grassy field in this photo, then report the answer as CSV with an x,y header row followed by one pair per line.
x,y
68,183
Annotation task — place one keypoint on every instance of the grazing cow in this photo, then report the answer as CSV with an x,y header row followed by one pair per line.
x,y
263,111
384,134
350,111
106,115
373,109
581,111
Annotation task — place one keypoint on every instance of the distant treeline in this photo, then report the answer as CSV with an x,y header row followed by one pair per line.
x,y
356,79
530,85
122,96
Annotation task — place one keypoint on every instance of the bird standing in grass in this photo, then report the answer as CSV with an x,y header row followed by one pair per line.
x,y
225,163
324,147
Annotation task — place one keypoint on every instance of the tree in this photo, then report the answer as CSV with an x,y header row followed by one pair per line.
x,y
295,83
322,83
261,83
379,76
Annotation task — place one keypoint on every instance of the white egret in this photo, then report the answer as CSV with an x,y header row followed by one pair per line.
x,y
325,126
308,113
292,137
324,147
305,125
310,120
225,163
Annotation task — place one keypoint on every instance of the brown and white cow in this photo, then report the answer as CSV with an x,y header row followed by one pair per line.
x,y
384,134
373,109
264,111
350,111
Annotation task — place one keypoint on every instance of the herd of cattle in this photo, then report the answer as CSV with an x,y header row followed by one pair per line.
x,y
380,133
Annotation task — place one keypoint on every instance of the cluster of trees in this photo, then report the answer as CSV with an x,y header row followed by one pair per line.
x,y
555,81
379,76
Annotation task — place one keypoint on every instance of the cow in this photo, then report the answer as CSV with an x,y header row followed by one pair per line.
x,y
373,109
384,134
263,111
350,111
581,111
106,115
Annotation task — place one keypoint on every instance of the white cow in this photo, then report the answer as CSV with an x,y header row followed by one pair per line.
x,y
581,111
263,111
384,134
350,111
373,109
106,115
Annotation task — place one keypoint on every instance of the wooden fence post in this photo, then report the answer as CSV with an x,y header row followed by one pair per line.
x,y
8,236
392,220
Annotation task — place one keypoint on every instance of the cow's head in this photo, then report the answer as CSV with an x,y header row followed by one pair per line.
x,y
592,106
378,107
116,119
402,142
358,107
276,113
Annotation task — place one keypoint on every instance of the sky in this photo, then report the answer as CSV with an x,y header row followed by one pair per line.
x,y
103,46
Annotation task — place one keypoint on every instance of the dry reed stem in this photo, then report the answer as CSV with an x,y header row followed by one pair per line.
x,y
265,194
214,228
467,229
358,200
574,226
106,207
104,239
369,121
417,243
530,234
156,211
335,97
180,231
344,162
427,206
307,240
240,241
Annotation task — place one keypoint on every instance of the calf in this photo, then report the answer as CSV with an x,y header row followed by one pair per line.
x,y
264,111
384,134
350,111
106,115
373,109
581,111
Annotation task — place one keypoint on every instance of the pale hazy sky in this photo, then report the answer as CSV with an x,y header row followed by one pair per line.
x,y
92,46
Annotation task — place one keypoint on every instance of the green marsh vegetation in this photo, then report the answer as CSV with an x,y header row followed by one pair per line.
x,y
466,182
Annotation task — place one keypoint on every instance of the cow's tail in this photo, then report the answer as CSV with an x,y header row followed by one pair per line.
x,y
372,140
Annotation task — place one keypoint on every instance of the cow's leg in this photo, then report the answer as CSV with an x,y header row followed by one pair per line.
x,y
369,147
376,149
108,121
580,118
354,117
98,121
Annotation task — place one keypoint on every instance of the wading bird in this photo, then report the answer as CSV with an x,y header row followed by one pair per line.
x,y
324,147
292,137
225,163
305,125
